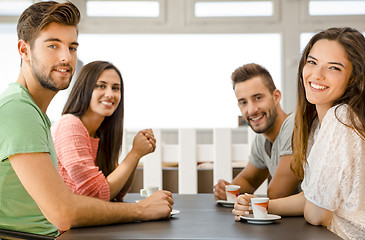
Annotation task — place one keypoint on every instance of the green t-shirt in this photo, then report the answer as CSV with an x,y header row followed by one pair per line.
x,y
23,129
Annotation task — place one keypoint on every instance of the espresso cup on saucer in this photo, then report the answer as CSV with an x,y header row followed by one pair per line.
x,y
260,207
148,191
232,192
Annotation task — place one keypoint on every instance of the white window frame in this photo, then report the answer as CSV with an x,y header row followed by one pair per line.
x,y
192,19
117,24
336,20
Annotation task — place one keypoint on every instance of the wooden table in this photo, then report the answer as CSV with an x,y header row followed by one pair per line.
x,y
201,218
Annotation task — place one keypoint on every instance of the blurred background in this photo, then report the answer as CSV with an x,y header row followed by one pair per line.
x,y
177,56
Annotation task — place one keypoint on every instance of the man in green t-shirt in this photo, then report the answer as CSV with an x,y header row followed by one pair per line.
x,y
33,197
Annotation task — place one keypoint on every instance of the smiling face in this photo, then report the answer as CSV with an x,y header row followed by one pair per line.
x,y
326,73
257,104
53,56
106,95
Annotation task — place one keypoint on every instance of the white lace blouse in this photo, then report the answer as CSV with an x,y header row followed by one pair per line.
x,y
335,174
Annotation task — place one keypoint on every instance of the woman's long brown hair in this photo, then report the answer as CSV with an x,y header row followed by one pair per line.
x,y
110,131
354,96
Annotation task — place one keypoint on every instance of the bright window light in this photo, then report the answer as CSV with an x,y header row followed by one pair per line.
x,y
10,62
123,8
181,80
336,7
234,9
171,80
13,8
304,39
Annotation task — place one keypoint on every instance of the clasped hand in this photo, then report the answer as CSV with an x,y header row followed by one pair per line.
x,y
242,206
144,143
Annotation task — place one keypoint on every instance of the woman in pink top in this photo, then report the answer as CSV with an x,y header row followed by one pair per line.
x,y
88,136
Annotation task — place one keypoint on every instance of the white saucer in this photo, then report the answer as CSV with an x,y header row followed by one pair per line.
x,y
270,219
225,203
174,211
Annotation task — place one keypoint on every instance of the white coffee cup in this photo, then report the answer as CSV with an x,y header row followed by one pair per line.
x,y
148,191
260,207
232,192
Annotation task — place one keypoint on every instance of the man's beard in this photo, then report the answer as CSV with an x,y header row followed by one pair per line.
x,y
46,80
271,116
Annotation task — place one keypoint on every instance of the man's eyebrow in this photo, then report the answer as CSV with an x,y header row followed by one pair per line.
x,y
58,40
52,40
252,96
257,95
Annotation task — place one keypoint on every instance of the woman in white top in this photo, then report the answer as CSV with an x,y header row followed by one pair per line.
x,y
329,136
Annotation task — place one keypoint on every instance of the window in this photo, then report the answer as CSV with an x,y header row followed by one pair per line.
x,y
336,7
181,80
122,8
10,60
13,8
171,81
234,9
304,39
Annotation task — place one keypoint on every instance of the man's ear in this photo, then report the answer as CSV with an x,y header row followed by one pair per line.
x,y
24,50
276,94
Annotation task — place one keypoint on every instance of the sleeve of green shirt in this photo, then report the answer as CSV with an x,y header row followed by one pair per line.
x,y
22,129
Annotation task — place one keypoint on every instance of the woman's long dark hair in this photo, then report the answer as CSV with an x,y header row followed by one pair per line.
x,y
110,131
354,44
